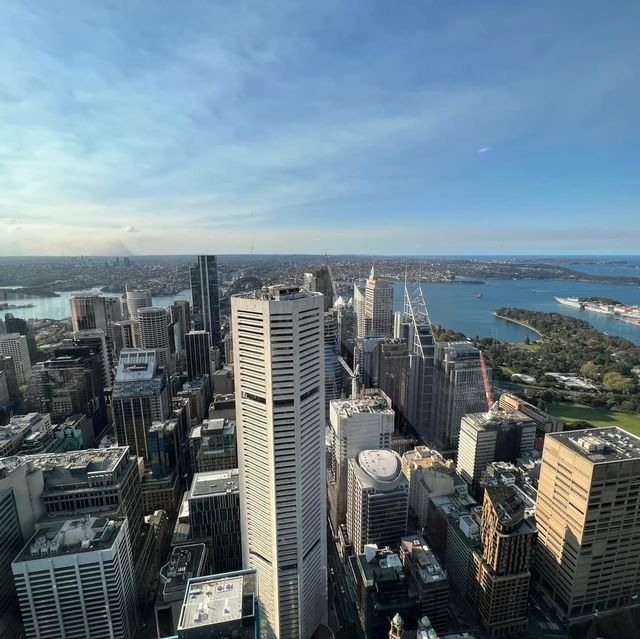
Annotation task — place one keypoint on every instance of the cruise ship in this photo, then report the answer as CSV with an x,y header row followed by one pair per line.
x,y
621,311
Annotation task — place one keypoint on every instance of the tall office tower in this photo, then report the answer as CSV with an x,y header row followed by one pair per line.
x,y
333,371
501,569
136,300
113,309
12,542
8,367
139,398
88,311
214,515
154,332
96,341
457,390
378,499
499,435
278,350
588,520
378,306
213,446
413,326
196,345
69,384
126,334
18,325
206,297
15,345
358,309
356,424
428,579
545,422
320,282
76,580
180,312
204,612
391,365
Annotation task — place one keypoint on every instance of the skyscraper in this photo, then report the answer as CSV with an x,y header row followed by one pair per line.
x,y
333,372
196,344
154,333
18,325
499,588
378,499
136,300
357,424
278,350
139,398
88,311
126,334
588,520
214,515
15,345
12,542
499,435
205,297
378,306
457,391
76,579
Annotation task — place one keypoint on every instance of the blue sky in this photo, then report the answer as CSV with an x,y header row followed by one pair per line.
x,y
157,126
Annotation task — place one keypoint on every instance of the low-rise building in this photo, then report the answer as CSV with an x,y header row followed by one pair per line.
x,y
213,446
220,606
185,563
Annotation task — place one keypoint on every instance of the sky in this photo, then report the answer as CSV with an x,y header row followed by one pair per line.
x,y
407,127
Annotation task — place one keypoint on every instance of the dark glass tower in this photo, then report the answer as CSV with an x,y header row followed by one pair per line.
x,y
206,297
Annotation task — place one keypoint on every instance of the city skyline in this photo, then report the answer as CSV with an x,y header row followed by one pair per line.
x,y
423,128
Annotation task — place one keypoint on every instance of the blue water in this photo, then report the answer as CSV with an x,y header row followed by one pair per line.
x,y
454,305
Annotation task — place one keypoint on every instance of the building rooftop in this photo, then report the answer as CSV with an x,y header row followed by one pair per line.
x,y
599,445
280,292
71,536
419,553
214,483
381,465
185,562
219,599
136,365
210,427
496,417
374,403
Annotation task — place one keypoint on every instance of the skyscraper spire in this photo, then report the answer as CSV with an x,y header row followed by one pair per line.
x,y
372,275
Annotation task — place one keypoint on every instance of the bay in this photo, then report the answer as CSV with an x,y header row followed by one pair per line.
x,y
454,306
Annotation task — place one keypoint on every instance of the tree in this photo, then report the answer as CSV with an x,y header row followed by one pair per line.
x,y
616,383
590,371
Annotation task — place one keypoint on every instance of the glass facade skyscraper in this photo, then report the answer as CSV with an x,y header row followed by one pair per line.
x,y
206,296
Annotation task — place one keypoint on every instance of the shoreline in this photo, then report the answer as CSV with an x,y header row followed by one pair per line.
x,y
524,324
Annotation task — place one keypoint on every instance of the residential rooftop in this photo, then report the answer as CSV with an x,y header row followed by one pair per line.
x,y
599,445
215,482
71,536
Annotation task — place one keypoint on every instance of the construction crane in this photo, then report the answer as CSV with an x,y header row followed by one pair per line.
x,y
353,374
488,393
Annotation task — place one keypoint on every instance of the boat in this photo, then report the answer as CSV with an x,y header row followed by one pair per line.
x,y
478,296
618,310
569,301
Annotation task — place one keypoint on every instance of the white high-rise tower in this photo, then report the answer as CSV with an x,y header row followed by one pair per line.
x,y
279,373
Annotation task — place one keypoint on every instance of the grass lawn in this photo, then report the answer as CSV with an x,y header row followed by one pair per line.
x,y
596,416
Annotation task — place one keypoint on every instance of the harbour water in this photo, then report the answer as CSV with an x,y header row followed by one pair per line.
x,y
454,306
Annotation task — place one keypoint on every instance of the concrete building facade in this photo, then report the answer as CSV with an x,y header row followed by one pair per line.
x,y
278,361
